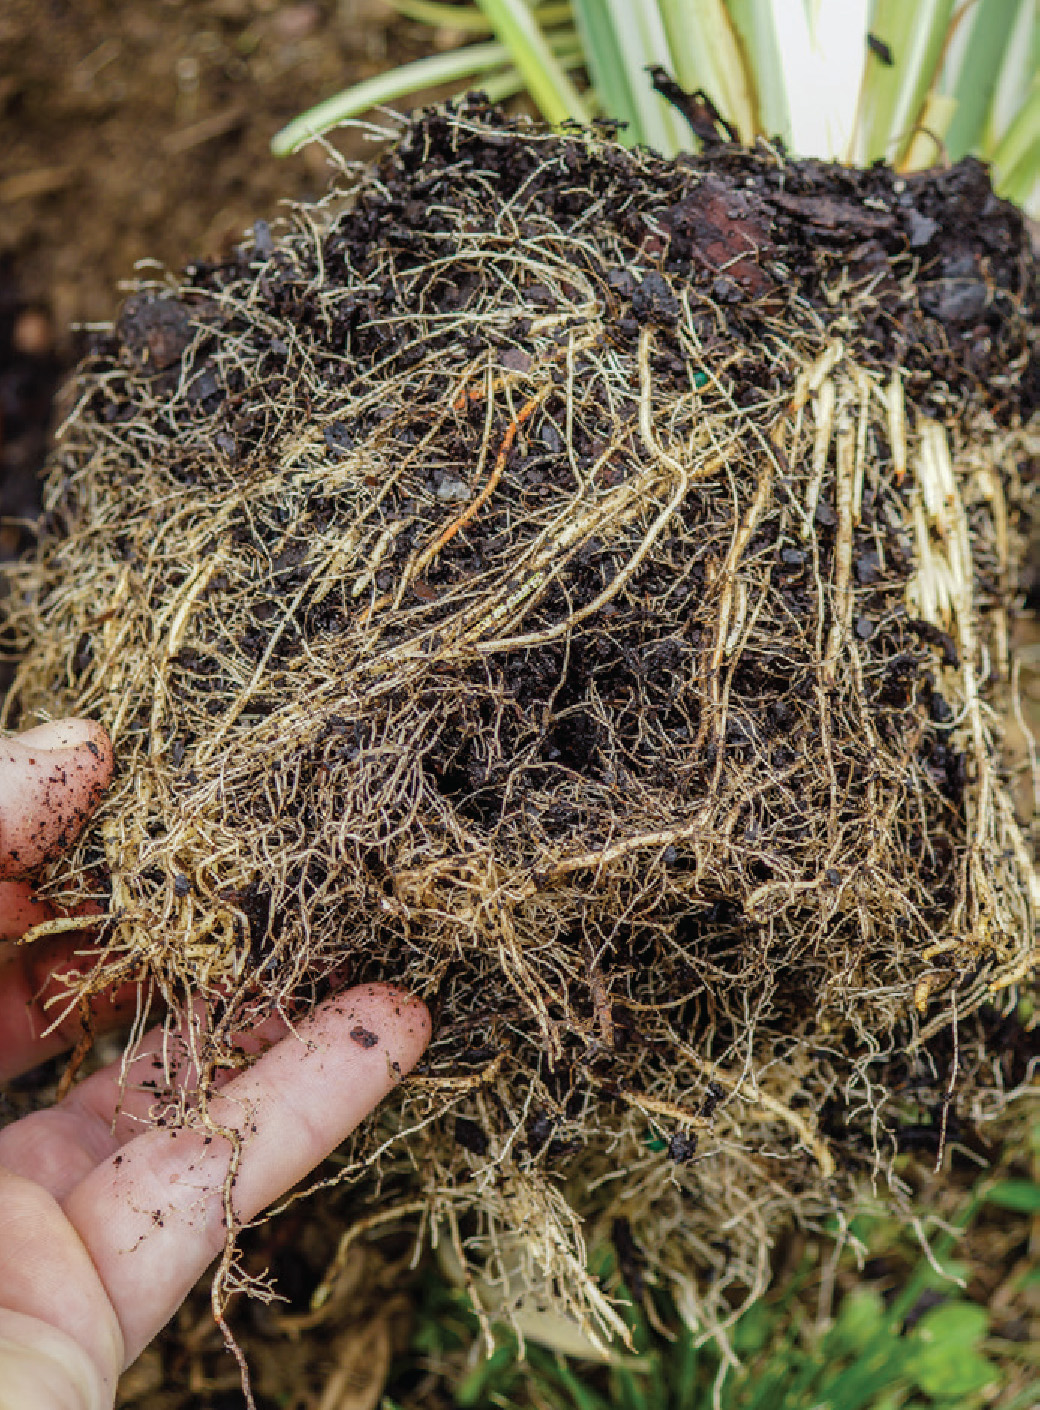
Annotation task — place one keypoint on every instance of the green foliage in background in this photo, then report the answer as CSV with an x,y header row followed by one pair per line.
x,y
855,81
924,1346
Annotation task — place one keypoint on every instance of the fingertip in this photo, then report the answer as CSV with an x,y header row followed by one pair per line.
x,y
86,740
53,778
73,733
410,1023
379,1015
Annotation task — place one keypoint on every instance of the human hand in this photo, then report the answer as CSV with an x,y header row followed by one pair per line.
x,y
106,1224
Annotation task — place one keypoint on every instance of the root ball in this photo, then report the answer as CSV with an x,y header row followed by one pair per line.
x,y
573,585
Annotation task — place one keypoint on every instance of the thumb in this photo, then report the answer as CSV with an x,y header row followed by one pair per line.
x,y
43,1368
60,1343
51,779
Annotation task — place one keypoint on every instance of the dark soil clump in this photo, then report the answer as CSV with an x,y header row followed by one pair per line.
x,y
575,585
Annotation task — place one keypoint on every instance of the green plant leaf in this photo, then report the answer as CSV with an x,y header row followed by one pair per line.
x,y
554,1374
530,52
756,35
1020,139
861,1314
500,86
955,1323
893,1400
607,66
681,1369
707,54
456,64
765,1386
471,61
878,1367
1020,1195
494,1372
973,67
893,95
643,42
439,14
1021,65
944,1371
754,1329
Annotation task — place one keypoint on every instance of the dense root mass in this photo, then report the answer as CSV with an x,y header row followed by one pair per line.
x,y
574,585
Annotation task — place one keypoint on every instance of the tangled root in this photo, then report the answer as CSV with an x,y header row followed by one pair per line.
x,y
573,585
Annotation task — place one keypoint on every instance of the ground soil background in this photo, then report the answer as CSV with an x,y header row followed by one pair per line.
x,y
132,131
